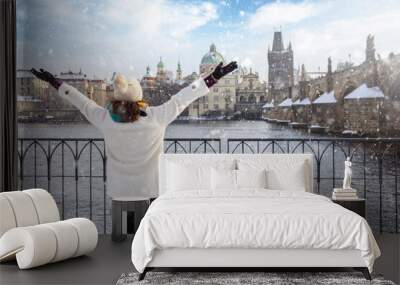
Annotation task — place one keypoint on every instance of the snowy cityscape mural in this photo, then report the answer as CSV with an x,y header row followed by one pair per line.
x,y
277,81
314,76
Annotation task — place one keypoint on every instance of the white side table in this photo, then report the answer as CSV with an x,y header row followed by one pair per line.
x,y
123,206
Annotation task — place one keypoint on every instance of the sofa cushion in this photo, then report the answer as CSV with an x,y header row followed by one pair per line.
x,y
87,235
67,240
7,220
45,243
46,207
23,208
32,246
26,208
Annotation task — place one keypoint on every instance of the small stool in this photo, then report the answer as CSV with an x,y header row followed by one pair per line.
x,y
126,215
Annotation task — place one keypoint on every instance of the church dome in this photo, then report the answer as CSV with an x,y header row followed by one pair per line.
x,y
212,57
160,63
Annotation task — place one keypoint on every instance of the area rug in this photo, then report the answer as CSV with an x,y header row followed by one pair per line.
x,y
243,278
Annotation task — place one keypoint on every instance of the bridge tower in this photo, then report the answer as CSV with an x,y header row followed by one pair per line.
x,y
280,69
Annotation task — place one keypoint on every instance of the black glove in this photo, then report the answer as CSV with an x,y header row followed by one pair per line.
x,y
48,77
219,72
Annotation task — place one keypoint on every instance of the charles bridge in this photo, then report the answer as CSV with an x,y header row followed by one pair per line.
x,y
357,100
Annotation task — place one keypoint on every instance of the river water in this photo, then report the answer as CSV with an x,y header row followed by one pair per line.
x,y
76,192
201,129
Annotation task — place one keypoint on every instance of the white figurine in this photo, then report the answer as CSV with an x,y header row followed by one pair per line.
x,y
347,174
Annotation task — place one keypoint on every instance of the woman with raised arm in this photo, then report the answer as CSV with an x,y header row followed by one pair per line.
x,y
133,132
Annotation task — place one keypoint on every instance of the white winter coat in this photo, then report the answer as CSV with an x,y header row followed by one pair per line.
x,y
133,149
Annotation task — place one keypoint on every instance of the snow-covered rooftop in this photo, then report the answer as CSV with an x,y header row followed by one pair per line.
x,y
326,98
365,92
297,102
268,106
286,103
305,101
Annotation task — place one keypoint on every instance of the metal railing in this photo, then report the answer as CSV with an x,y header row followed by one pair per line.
x,y
74,170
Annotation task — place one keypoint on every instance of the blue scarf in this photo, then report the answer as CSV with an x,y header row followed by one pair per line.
x,y
115,117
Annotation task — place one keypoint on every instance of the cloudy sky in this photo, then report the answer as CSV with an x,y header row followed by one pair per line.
x,y
102,36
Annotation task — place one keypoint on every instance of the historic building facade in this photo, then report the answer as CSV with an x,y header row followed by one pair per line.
x,y
222,100
32,93
222,97
148,81
251,95
37,101
158,89
161,75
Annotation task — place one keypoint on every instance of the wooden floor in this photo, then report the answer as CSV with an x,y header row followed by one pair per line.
x,y
110,260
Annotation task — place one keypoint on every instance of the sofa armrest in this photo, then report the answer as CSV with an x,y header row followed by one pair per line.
x,y
33,246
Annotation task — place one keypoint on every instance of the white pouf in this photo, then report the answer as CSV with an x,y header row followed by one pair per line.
x,y
31,232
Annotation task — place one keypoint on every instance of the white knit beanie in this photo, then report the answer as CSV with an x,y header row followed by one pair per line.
x,y
127,90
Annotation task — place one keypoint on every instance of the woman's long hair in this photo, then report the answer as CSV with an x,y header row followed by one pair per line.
x,y
128,111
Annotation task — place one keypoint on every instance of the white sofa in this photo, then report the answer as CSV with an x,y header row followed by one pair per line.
x,y
31,231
